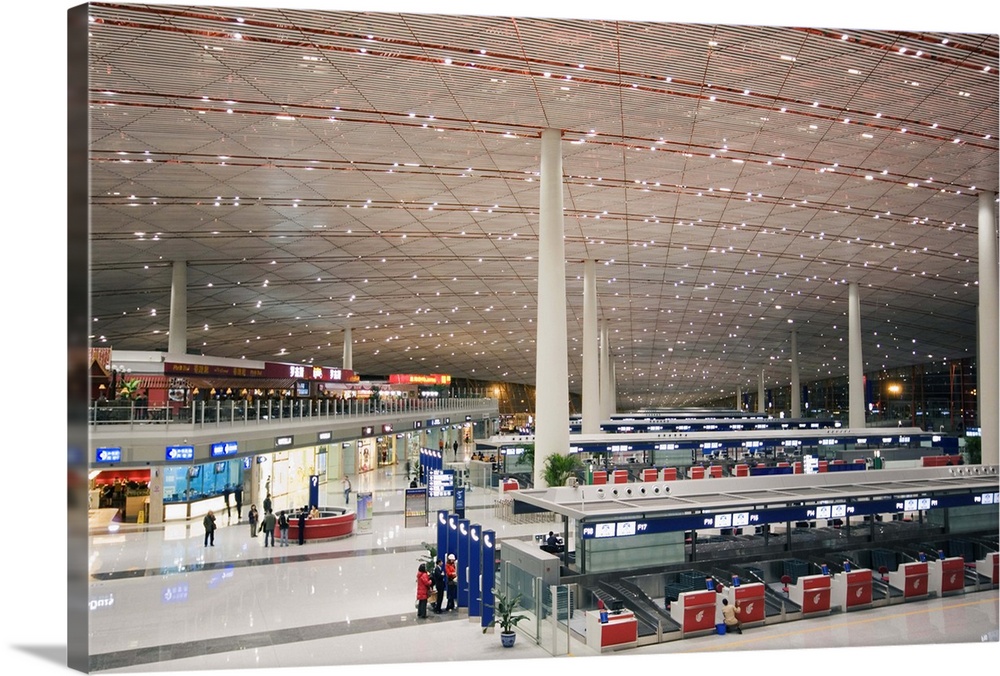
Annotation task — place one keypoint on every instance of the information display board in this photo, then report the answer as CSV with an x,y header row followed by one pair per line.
x,y
441,483
415,508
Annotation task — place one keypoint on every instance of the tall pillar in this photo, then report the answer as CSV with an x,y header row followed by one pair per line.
x,y
796,389
591,381
552,372
855,364
613,403
348,361
739,397
761,402
177,339
988,387
605,375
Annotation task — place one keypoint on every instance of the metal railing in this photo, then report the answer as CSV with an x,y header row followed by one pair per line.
x,y
258,412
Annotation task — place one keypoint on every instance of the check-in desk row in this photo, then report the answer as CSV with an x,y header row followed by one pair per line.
x,y
699,612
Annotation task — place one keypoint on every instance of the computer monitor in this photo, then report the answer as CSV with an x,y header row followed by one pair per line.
x,y
616,606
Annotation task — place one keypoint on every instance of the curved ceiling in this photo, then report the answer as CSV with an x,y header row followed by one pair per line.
x,y
318,170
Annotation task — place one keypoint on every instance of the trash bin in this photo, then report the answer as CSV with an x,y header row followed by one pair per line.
x,y
720,629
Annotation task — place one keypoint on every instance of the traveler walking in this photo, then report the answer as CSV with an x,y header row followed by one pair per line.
x,y
225,497
454,448
346,484
423,591
267,503
268,525
283,528
209,522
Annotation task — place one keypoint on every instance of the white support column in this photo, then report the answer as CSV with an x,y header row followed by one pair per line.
x,y
591,380
551,356
348,361
605,375
739,397
796,411
177,339
855,365
988,369
761,401
614,388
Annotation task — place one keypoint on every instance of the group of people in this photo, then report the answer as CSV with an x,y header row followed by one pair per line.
x,y
267,524
432,586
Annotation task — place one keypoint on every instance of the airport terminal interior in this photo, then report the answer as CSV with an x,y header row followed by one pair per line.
x,y
393,265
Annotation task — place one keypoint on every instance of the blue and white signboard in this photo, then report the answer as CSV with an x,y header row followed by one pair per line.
x,y
224,448
180,453
108,454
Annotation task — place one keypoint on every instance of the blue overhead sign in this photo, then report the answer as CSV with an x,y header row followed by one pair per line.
x,y
108,454
224,448
759,517
180,453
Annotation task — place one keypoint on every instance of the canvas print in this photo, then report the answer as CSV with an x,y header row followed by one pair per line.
x,y
413,339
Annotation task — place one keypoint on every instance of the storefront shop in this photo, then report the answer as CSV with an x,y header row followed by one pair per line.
x,y
126,490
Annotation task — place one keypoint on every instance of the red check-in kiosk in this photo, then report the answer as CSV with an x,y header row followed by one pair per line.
x,y
620,631
749,597
911,579
695,611
852,590
812,593
989,567
946,576
620,476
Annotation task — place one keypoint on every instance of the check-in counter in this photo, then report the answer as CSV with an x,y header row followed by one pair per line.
x,y
946,576
750,599
989,567
811,593
695,611
852,590
911,579
620,631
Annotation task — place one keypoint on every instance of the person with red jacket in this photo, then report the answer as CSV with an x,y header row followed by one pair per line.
x,y
423,590
451,577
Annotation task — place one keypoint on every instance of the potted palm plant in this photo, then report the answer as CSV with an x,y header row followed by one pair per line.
x,y
506,616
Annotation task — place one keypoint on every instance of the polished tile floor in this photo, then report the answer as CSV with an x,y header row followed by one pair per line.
x,y
162,601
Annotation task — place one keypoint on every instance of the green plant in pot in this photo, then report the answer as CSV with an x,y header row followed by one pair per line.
x,y
505,614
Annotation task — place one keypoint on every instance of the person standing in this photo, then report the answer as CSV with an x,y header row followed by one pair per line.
x,y
283,528
346,484
423,590
451,573
439,583
302,525
253,517
454,448
225,497
209,522
267,503
238,496
270,521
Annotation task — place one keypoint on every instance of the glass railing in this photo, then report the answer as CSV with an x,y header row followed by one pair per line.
x,y
238,412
